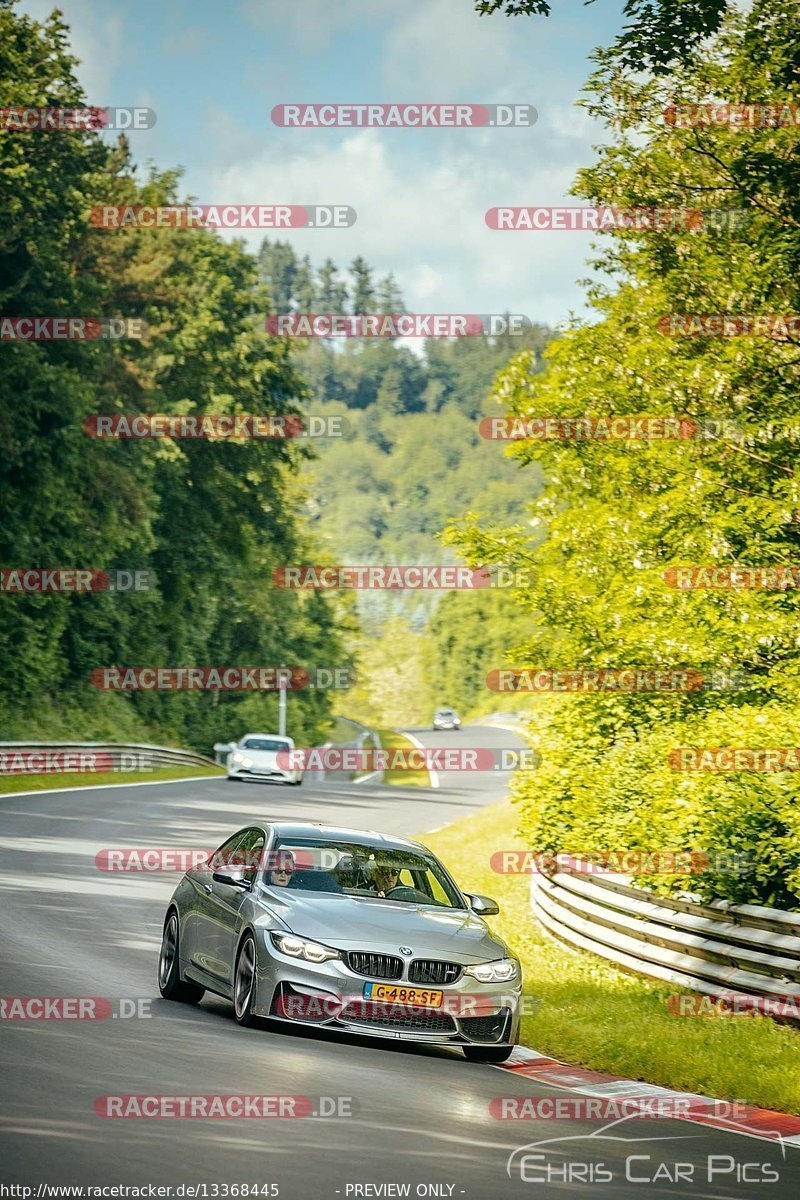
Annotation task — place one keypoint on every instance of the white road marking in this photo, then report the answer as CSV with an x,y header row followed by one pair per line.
x,y
92,787
434,777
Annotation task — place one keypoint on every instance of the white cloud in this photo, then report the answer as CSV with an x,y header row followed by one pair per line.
x,y
424,222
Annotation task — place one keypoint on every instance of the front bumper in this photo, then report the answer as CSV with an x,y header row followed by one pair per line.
x,y
331,996
274,774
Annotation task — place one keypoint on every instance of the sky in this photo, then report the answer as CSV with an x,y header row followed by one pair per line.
x,y
213,72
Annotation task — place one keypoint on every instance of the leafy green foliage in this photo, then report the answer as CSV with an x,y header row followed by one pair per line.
x,y
616,515
209,521
657,33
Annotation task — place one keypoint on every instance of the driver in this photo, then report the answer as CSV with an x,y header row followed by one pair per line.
x,y
283,869
386,877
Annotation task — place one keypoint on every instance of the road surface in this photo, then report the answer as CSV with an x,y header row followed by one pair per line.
x,y
421,1124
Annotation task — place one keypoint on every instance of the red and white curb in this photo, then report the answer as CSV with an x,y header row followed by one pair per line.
x,y
750,1122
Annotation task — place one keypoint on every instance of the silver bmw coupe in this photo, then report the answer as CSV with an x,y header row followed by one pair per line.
x,y
346,929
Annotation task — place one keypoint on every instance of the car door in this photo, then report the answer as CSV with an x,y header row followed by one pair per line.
x,y
197,931
222,905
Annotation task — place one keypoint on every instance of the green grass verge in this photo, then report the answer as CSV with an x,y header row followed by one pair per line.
x,y
38,783
390,739
603,1019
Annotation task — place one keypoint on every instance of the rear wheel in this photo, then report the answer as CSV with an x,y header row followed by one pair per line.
x,y
244,981
170,984
487,1054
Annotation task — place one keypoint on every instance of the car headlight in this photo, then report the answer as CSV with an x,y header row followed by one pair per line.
x,y
296,947
502,970
237,757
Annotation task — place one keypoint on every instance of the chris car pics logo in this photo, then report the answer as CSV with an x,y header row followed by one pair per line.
x,y
597,1158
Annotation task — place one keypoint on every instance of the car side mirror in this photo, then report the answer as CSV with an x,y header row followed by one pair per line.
x,y
484,906
233,878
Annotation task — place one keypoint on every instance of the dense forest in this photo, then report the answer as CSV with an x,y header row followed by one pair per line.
x,y
413,459
206,522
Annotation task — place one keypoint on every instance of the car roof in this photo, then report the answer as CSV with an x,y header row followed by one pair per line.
x,y
364,837
280,737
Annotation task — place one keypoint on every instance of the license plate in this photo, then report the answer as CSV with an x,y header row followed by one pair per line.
x,y
391,993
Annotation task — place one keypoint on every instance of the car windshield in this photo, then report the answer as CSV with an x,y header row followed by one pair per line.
x,y
256,743
356,869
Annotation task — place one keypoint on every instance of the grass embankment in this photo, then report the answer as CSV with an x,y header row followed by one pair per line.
x,y
390,739
73,779
591,1014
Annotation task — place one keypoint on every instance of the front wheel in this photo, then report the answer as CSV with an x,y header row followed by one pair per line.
x,y
487,1054
170,984
244,982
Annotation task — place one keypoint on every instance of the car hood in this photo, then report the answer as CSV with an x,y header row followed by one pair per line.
x,y
360,923
263,758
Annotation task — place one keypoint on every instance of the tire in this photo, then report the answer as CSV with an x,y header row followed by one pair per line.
x,y
170,984
233,779
298,782
244,981
487,1054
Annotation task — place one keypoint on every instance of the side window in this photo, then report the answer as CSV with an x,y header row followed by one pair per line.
x,y
430,884
249,852
222,856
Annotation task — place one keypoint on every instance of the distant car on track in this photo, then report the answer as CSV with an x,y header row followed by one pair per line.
x,y
351,930
446,718
263,756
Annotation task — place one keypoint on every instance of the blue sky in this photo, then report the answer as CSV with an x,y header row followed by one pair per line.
x,y
213,72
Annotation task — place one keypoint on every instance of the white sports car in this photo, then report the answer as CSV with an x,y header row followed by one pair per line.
x,y
263,756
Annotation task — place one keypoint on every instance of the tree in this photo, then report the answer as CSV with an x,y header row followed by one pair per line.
x,y
278,269
331,290
388,297
658,33
363,291
208,520
617,518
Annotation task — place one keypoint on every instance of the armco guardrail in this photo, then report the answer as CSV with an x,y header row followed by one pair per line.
x,y
93,756
715,948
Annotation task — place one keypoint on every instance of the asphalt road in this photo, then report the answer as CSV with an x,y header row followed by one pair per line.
x,y
421,1116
